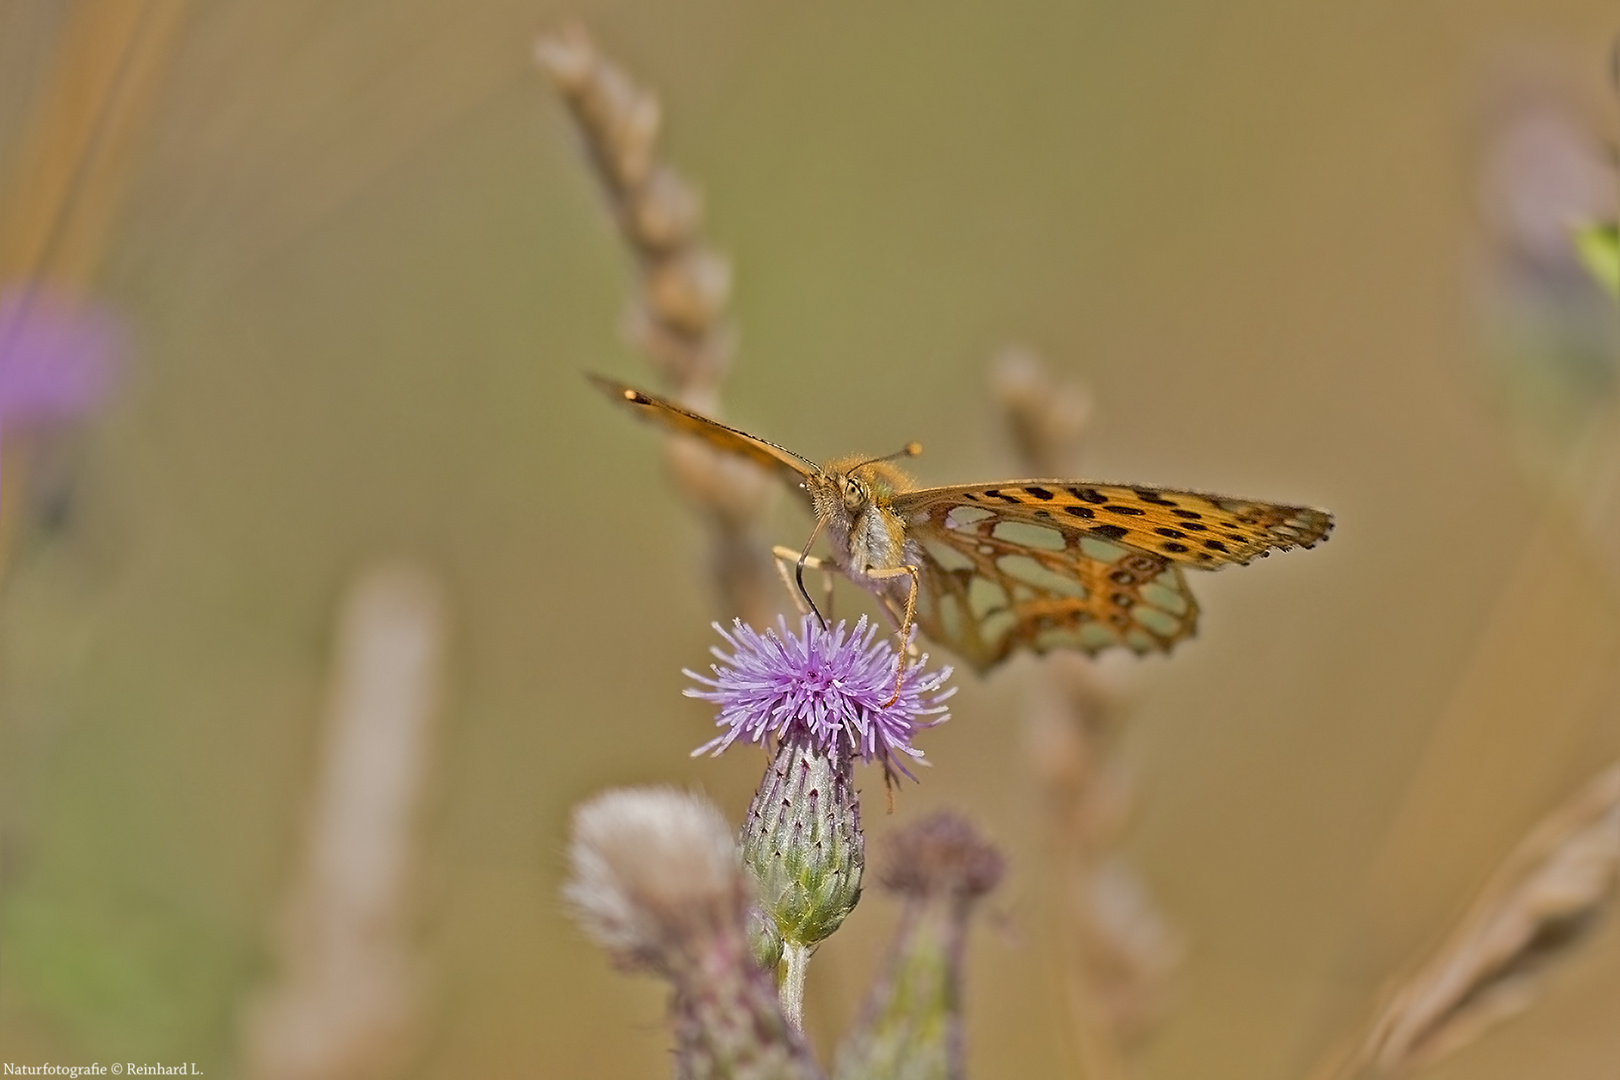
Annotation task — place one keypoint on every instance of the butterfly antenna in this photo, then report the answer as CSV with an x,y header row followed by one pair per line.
x,y
911,449
798,573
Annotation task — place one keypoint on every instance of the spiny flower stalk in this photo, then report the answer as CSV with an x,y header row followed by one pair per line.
x,y
656,882
830,685
911,1026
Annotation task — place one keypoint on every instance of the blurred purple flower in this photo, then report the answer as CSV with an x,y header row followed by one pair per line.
x,y
828,684
58,355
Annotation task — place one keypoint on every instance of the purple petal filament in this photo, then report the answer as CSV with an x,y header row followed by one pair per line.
x,y
830,685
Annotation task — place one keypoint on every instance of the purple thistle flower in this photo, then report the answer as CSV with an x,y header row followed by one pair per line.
x,y
58,355
830,685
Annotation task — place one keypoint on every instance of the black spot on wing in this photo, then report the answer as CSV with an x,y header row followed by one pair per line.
x,y
1039,492
1153,497
1080,511
1090,495
1113,532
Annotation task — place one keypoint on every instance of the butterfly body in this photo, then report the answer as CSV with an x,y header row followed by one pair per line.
x,y
988,569
853,499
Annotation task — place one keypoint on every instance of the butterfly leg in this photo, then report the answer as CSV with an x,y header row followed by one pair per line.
x,y
906,622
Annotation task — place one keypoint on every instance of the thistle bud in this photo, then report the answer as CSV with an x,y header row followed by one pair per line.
x,y
802,841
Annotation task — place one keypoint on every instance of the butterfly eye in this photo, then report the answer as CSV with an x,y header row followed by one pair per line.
x,y
854,493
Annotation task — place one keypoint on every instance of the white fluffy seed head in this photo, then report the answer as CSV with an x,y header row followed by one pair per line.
x,y
650,865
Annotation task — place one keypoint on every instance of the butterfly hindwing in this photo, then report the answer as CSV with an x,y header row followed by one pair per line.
x,y
993,582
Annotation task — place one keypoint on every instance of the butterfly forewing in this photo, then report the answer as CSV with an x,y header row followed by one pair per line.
x,y
790,466
1046,564
1189,527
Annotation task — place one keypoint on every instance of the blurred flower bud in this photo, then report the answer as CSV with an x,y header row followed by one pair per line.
x,y
656,882
912,1022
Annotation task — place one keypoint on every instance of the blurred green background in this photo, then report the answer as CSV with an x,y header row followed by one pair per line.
x,y
364,265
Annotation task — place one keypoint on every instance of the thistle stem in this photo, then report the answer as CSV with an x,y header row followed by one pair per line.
x,y
797,958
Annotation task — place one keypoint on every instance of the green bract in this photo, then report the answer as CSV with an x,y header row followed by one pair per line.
x,y
1598,247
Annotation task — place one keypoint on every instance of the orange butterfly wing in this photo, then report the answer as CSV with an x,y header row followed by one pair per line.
x,y
1046,564
769,456
1043,564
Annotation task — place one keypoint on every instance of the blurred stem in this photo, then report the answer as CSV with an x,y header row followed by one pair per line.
x,y
71,161
1094,1041
797,958
13,477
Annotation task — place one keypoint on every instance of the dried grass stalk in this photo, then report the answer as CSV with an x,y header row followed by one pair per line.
x,y
678,316
1047,418
1539,908
68,170
348,999
1118,952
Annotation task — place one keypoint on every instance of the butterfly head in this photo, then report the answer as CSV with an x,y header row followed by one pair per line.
x,y
852,484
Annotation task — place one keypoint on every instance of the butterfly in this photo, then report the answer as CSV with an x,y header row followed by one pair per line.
x,y
987,569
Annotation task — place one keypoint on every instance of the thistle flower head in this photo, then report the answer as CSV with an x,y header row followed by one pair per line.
x,y
57,355
656,882
829,685
941,856
650,868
